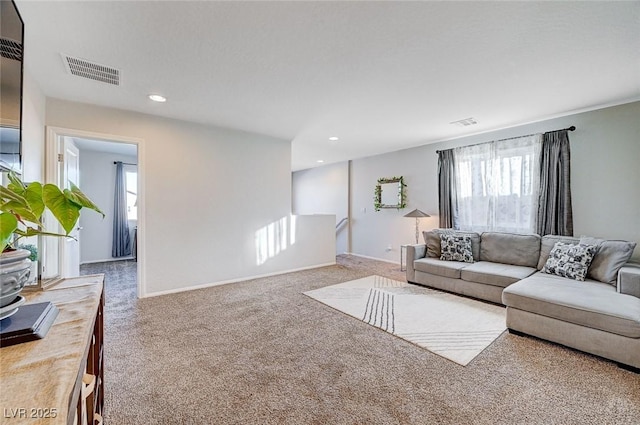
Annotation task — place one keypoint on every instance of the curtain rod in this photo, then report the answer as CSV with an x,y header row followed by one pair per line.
x,y
124,163
572,128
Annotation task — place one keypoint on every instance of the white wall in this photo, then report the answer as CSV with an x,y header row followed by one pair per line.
x,y
208,193
97,181
373,232
33,116
605,178
324,190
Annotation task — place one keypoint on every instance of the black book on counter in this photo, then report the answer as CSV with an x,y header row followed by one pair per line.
x,y
29,323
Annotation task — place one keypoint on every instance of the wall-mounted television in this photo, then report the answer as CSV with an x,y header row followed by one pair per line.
x,y
11,65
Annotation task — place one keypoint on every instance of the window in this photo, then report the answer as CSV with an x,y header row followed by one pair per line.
x,y
131,180
497,185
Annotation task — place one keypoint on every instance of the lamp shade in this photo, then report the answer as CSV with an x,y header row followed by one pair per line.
x,y
417,213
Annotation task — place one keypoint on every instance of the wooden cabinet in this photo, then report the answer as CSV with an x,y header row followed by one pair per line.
x,y
91,400
59,379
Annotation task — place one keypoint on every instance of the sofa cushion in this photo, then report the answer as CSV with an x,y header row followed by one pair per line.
x,y
609,258
590,303
455,248
568,260
548,242
495,274
510,248
432,240
440,267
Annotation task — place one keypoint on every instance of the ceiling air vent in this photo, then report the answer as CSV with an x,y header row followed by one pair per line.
x,y
465,122
10,49
90,70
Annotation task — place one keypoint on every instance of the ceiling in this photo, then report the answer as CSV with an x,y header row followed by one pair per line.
x,y
381,76
116,148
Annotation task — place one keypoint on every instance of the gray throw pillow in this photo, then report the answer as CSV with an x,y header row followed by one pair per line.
x,y
609,258
568,260
456,248
432,240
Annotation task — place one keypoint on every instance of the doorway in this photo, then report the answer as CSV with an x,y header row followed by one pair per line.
x,y
90,160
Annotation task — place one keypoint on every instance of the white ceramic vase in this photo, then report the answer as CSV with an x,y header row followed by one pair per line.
x,y
15,269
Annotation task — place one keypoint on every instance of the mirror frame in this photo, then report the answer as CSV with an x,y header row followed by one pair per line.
x,y
402,196
15,165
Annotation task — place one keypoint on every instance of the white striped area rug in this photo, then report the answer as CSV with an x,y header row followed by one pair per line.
x,y
454,327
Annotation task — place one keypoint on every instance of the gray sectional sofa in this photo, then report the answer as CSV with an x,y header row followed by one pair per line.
x,y
600,315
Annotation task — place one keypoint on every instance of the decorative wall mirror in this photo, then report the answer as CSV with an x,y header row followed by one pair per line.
x,y
390,193
11,38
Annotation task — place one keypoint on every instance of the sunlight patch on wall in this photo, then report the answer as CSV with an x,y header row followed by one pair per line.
x,y
274,238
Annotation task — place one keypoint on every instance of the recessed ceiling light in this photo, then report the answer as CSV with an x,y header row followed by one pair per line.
x,y
157,98
333,138
320,161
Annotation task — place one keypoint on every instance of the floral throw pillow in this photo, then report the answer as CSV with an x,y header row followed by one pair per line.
x,y
455,248
569,260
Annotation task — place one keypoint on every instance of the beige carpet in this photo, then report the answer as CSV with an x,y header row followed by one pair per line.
x,y
261,352
456,328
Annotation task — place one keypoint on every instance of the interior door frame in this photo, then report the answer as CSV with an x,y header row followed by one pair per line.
x,y
52,175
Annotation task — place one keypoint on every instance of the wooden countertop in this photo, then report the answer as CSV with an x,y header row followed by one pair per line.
x,y
38,378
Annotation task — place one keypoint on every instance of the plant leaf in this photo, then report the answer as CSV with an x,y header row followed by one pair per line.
x,y
22,210
76,195
8,224
9,195
34,232
33,195
16,204
66,211
15,184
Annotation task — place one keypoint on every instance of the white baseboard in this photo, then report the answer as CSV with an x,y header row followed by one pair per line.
x,y
107,260
373,258
224,282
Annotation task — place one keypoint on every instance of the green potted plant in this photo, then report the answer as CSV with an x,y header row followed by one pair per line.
x,y
32,249
33,257
21,209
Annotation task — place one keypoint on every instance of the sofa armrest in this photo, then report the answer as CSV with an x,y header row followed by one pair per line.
x,y
414,252
629,280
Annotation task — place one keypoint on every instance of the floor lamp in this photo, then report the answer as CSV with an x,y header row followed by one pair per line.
x,y
417,214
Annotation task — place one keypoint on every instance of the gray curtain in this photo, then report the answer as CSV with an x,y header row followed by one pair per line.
x,y
121,238
555,216
446,189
